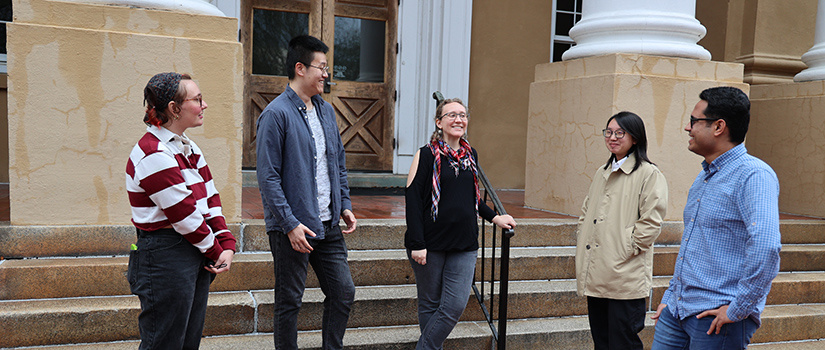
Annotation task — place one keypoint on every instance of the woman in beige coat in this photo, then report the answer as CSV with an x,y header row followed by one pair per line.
x,y
622,216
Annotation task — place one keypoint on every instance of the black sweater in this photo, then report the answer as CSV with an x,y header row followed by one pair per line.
x,y
456,227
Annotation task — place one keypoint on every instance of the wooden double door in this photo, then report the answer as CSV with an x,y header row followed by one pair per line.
x,y
361,35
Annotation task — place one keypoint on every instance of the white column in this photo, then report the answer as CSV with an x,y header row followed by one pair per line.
x,y
815,57
649,27
435,55
201,7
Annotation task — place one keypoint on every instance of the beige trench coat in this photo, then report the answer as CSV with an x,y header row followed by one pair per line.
x,y
623,214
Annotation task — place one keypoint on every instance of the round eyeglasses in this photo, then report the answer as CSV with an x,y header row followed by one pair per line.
x,y
453,115
198,98
324,69
618,133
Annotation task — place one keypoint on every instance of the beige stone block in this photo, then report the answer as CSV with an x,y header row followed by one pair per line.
x,y
564,142
72,240
786,131
76,79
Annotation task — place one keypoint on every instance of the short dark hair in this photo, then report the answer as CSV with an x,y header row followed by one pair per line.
x,y
731,105
633,125
302,49
156,105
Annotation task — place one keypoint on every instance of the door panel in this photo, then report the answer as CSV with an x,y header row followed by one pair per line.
x,y
363,82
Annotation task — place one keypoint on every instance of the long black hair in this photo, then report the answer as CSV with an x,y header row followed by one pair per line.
x,y
632,125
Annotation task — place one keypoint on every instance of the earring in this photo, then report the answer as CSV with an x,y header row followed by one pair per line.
x,y
440,132
177,116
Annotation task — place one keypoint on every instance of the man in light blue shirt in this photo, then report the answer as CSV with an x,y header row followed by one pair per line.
x,y
729,252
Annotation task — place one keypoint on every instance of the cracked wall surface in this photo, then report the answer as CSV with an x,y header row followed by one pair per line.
x,y
571,101
76,79
786,131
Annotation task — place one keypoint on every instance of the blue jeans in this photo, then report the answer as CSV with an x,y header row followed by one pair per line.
x,y
444,286
691,333
167,275
329,261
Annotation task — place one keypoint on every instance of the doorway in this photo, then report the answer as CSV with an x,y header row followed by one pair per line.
x,y
361,35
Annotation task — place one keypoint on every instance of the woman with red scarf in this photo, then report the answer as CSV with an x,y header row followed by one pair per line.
x,y
443,206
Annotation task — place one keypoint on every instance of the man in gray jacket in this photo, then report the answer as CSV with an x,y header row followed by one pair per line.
x,y
302,177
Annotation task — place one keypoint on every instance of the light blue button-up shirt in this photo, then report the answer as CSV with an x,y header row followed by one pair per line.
x,y
729,252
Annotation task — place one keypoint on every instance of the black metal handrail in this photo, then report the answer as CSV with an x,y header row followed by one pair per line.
x,y
500,333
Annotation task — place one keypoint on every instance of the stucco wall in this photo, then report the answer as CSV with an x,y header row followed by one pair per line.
x,y
507,44
76,79
786,131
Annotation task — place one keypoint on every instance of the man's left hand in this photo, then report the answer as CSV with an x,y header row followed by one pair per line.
x,y
349,219
720,320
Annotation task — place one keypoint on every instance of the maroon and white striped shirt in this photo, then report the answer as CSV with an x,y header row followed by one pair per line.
x,y
169,187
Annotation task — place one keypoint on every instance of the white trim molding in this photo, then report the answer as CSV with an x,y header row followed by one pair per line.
x,y
434,39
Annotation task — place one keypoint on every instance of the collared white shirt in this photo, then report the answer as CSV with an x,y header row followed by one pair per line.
x,y
618,164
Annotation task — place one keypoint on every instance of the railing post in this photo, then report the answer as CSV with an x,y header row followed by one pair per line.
x,y
503,291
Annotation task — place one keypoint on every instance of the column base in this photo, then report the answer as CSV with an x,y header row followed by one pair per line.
x,y
571,101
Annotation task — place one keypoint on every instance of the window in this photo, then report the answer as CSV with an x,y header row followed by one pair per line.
x,y
566,13
271,32
359,50
5,17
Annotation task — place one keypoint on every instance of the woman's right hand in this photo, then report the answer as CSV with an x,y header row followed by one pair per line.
x,y
420,256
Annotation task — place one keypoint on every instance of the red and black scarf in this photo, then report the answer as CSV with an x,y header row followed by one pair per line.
x,y
458,159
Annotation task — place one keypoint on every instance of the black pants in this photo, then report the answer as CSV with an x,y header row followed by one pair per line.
x,y
615,324
329,260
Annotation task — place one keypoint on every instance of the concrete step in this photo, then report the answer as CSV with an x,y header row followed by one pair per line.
x,y
94,240
389,233
85,320
782,323
77,320
101,276
817,344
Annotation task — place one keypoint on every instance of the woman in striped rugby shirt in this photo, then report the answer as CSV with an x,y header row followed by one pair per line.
x,y
183,240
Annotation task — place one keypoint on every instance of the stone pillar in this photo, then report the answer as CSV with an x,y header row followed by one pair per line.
x,y
815,57
649,27
768,37
571,101
76,78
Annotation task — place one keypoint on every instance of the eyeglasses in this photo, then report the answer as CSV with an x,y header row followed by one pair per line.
x,y
325,69
453,115
694,120
618,133
198,98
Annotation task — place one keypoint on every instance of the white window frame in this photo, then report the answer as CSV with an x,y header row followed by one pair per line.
x,y
3,57
562,39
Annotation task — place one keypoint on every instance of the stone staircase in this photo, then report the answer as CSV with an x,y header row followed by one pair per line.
x,y
84,302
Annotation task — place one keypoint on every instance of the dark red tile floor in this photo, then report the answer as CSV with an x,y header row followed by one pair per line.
x,y
392,206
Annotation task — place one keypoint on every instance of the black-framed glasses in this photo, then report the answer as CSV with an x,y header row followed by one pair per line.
x,y
453,115
198,98
693,120
325,69
618,133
